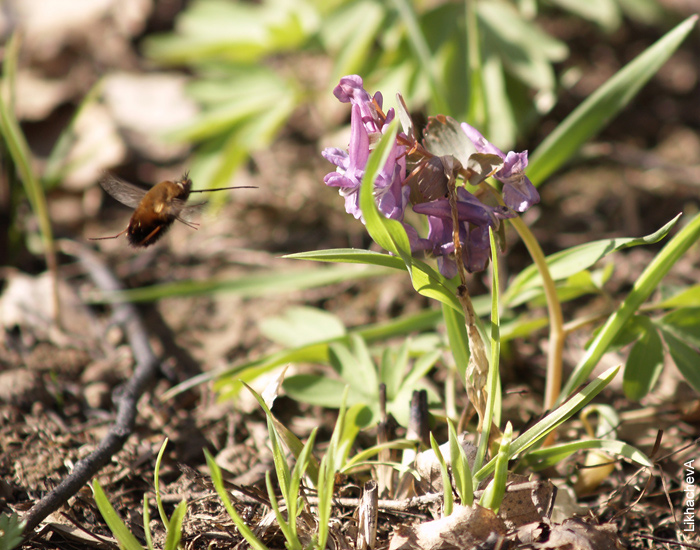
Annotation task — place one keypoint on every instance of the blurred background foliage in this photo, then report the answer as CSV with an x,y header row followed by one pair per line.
x,y
491,63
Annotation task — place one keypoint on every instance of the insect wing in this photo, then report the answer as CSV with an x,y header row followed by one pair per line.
x,y
125,192
191,210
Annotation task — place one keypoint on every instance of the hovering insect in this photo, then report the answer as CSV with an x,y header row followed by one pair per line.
x,y
156,208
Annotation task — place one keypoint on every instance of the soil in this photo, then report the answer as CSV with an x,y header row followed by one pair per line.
x,y
59,388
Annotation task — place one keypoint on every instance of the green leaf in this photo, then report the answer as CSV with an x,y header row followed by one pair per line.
x,y
227,379
175,527
350,256
573,260
299,326
326,392
686,359
365,454
683,323
448,501
363,373
643,287
540,459
18,149
496,489
120,531
393,369
350,33
644,364
278,458
218,481
147,523
605,103
253,285
390,234
457,337
553,420
11,528
689,297
604,13
493,399
292,442
460,468
525,50
156,484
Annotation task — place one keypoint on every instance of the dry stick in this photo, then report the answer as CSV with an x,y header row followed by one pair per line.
x,y
478,367
145,372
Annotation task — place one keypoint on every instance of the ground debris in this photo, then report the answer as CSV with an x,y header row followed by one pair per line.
x,y
466,527
572,534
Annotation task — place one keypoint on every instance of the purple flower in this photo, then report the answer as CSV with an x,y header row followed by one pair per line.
x,y
475,219
518,191
350,90
367,122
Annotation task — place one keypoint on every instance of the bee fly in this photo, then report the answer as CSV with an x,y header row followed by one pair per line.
x,y
156,208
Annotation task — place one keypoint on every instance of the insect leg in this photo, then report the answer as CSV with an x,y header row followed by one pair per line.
x,y
193,225
105,238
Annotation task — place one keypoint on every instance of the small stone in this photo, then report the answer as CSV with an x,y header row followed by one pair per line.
x,y
98,395
22,388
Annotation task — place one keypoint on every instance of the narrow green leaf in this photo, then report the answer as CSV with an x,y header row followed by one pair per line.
x,y
120,531
540,459
365,454
350,256
457,337
496,489
290,440
147,523
604,104
281,466
460,468
253,285
353,29
285,526
174,527
156,483
576,259
420,47
364,375
448,500
493,400
218,481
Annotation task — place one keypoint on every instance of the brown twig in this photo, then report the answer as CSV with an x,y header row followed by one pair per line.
x,y
144,374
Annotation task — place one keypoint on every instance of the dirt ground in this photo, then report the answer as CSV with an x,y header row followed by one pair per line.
x,y
58,390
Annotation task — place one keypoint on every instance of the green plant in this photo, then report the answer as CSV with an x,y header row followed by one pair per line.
x,y
11,528
126,539
421,49
356,370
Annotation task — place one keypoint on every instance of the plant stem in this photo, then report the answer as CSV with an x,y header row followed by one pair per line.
x,y
556,318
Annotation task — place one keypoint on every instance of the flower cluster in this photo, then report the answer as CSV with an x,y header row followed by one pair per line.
x,y
413,174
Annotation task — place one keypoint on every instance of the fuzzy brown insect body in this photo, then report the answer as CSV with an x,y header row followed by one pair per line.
x,y
155,209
